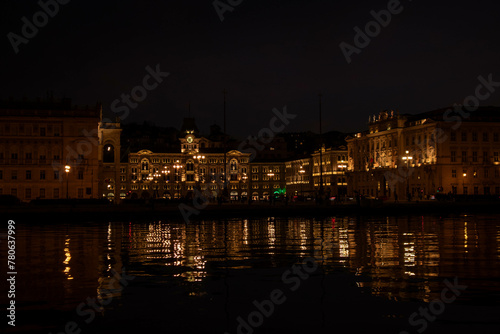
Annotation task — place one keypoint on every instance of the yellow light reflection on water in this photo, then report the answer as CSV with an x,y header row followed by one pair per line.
x,y
465,237
245,232
343,244
67,253
498,243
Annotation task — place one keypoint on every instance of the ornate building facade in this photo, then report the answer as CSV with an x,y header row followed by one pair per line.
x,y
449,151
51,150
177,175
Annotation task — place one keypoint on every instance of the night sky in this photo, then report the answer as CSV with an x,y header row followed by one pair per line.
x,y
267,54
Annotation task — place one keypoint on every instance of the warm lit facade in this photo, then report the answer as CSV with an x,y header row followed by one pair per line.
x,y
48,150
333,173
437,151
298,174
112,181
267,178
177,175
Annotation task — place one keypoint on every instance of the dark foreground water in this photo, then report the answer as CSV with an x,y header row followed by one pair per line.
x,y
301,275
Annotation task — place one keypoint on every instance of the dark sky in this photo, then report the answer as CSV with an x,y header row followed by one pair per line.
x,y
267,54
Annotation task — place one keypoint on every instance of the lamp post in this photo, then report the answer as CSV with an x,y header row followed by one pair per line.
x,y
156,193
244,177
177,167
301,173
198,158
165,173
270,175
67,168
407,158
342,168
463,182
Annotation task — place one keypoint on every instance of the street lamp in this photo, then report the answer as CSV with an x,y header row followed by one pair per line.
x,y
177,167
301,173
407,158
67,168
165,173
244,178
198,169
270,175
342,168
156,175
463,182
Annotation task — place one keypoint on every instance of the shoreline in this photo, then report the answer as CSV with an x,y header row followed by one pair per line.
x,y
237,210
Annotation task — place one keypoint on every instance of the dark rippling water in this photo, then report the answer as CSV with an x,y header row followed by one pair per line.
x,y
200,277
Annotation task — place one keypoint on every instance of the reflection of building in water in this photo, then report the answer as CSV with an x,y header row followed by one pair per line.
x,y
63,258
409,253
192,246
111,265
343,244
388,251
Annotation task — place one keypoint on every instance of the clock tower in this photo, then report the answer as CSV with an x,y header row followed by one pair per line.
x,y
190,144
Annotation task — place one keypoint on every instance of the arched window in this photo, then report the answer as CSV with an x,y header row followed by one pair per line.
x,y
145,164
234,164
108,155
190,166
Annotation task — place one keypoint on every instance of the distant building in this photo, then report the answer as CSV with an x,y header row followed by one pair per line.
x,y
48,149
299,180
439,151
111,170
333,172
267,178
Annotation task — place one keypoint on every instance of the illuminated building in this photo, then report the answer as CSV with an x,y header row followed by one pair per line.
x,y
112,181
199,164
298,174
267,178
333,174
48,150
439,151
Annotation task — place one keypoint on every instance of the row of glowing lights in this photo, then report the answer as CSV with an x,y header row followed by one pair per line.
x,y
157,175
